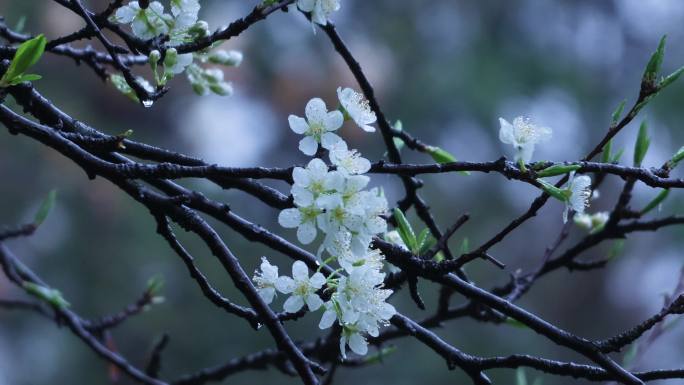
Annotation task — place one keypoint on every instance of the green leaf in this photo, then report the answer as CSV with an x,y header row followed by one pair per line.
x,y
421,240
653,67
28,53
51,296
155,284
520,377
465,246
558,169
676,158
380,355
617,156
441,156
616,249
618,113
642,144
552,190
514,322
605,155
630,354
45,207
671,78
24,78
662,195
405,230
398,142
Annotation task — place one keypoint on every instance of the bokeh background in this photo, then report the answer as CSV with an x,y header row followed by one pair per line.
x,y
448,70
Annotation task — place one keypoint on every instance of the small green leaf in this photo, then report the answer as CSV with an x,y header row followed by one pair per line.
x,y
642,144
24,78
154,285
618,113
616,249
45,207
465,246
617,156
398,142
405,230
653,67
606,152
421,240
676,158
514,322
380,355
520,377
51,296
558,169
28,53
662,195
630,354
439,257
441,156
671,78
554,191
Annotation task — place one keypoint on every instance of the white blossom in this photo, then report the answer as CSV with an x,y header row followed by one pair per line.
x,y
349,161
357,342
579,192
303,217
592,222
145,23
357,108
265,280
523,135
317,127
302,288
320,9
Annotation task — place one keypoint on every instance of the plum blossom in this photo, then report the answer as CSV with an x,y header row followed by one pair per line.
x,y
317,127
523,135
319,9
579,192
357,108
302,287
265,280
592,222
349,161
145,23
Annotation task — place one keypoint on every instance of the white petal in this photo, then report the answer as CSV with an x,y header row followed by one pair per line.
x,y
357,182
327,320
315,110
525,152
367,128
285,284
361,165
317,280
267,294
293,304
314,302
335,180
343,345
308,145
317,168
306,233
290,218
126,13
506,132
297,124
301,177
329,140
302,196
358,344
306,5
299,271
333,120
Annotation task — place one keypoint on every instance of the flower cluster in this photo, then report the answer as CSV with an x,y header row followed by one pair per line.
x,y
334,200
181,25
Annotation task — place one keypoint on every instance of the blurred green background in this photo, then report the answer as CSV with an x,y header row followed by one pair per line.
x,y
447,69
